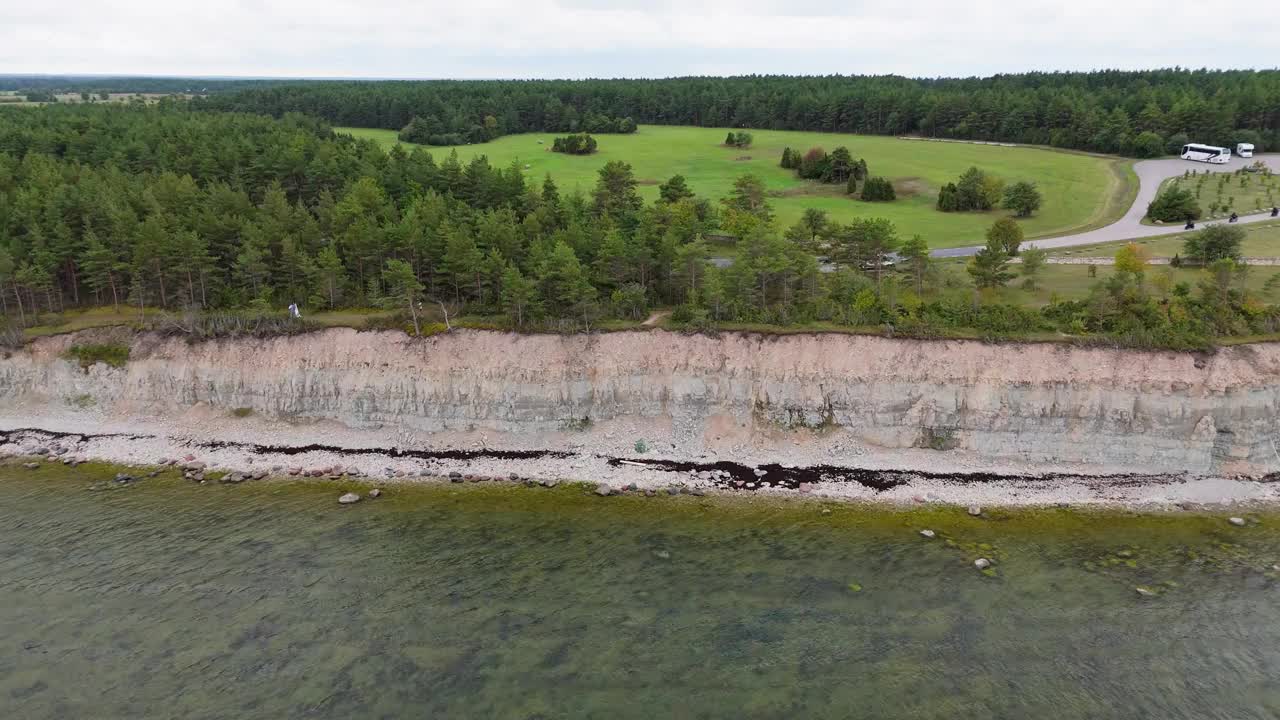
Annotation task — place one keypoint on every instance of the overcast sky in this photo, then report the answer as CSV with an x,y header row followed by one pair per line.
x,y
628,38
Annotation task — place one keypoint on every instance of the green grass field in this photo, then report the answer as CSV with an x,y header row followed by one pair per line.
x,y
1081,191
1221,193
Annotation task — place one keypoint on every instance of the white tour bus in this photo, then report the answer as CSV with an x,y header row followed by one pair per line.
x,y
1206,153
1244,149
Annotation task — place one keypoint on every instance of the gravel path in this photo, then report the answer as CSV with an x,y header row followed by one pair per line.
x,y
1150,174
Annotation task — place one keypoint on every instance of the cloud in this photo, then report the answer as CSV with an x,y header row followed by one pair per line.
x,y
616,38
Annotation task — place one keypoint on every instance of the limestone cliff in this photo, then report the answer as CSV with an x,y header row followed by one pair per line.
x,y
1155,411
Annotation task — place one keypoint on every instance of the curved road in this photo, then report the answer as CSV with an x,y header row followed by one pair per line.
x,y
1150,174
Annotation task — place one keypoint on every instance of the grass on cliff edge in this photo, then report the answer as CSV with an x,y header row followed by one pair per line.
x,y
1080,191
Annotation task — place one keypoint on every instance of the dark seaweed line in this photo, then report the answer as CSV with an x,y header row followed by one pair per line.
x,y
741,477
390,452
777,476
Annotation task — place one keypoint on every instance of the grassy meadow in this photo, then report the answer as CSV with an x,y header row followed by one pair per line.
x,y
1080,191
1073,282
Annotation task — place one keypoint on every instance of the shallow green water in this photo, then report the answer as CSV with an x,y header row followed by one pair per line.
x,y
168,600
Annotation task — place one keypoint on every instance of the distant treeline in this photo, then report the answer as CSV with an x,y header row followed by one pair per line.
x,y
127,84
1139,113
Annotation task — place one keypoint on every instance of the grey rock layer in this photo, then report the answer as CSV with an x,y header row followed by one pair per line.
x,y
1161,412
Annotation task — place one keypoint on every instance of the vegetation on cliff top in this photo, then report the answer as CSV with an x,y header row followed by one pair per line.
x,y
186,211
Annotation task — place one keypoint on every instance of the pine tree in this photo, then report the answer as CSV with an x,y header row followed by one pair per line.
x,y
404,288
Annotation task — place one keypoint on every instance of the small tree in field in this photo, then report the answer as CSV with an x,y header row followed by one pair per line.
x,y
990,267
1008,233
878,189
1132,259
1032,263
1022,198
404,287
1214,243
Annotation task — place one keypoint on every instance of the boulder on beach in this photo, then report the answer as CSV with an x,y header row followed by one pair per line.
x,y
974,510
604,490
928,533
982,563
348,499
376,492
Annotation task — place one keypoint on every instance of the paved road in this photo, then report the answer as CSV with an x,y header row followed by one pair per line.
x,y
1150,174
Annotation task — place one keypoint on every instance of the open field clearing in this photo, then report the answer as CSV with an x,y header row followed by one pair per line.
x,y
1080,191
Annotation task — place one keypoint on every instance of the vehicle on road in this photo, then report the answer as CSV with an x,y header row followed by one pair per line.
x,y
1244,150
1206,153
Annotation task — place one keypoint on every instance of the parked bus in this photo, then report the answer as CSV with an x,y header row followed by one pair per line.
x,y
1244,149
1206,153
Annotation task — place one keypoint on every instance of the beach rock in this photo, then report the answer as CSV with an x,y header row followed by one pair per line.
x,y
1145,592
513,477
295,470
68,460
604,490
455,476
348,499
40,451
548,482
1237,521
124,478
163,461
673,490
260,474
188,458
975,511
760,473
662,554
826,511
649,493
194,466
31,465
982,563
697,492
376,492
928,533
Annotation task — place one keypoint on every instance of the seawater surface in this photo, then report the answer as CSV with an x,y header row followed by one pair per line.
x,y
165,599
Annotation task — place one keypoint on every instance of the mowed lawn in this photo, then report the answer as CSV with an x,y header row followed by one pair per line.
x,y
1080,191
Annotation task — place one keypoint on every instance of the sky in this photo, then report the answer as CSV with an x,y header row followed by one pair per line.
x,y
628,38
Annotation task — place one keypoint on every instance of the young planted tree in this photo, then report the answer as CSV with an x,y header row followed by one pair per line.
x,y
403,288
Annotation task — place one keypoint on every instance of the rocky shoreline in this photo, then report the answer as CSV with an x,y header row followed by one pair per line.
x,y
233,462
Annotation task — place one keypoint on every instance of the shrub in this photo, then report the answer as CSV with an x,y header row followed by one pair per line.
x,y
878,189
1174,204
112,354
577,144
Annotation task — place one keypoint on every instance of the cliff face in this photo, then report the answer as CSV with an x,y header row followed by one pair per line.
x,y
1159,412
